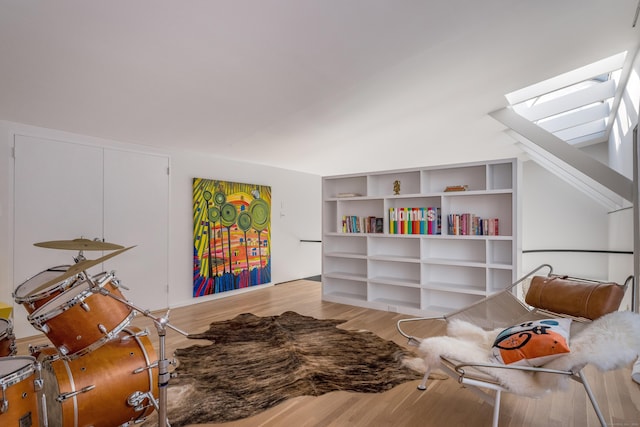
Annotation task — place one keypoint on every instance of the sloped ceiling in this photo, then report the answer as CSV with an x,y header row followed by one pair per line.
x,y
321,86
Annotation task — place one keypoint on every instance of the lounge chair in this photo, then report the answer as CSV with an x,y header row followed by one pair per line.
x,y
479,352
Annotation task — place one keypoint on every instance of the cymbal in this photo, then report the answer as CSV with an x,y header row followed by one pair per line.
x,y
77,269
79,245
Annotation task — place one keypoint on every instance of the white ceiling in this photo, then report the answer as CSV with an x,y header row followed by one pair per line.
x,y
321,86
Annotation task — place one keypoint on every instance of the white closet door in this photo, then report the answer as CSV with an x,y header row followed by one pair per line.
x,y
58,196
136,207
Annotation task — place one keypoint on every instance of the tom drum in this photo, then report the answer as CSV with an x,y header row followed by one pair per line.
x,y
26,294
83,318
7,339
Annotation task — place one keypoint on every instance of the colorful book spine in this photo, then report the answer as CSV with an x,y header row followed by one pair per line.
x,y
393,221
469,224
413,220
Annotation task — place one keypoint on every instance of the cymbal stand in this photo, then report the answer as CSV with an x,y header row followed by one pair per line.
x,y
163,363
163,369
80,257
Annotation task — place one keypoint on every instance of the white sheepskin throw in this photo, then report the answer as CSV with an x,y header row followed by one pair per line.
x,y
609,342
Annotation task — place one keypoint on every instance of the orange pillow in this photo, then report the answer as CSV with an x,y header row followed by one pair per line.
x,y
533,343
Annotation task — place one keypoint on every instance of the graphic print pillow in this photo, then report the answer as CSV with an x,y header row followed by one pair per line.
x,y
532,343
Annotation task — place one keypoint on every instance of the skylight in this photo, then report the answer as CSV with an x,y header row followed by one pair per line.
x,y
575,106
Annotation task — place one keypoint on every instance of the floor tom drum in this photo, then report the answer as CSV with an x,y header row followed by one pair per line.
x,y
114,385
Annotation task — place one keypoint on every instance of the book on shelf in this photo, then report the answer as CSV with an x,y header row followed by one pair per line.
x,y
468,224
411,220
362,224
450,188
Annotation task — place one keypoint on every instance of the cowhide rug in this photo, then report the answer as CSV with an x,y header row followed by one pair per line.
x,y
255,363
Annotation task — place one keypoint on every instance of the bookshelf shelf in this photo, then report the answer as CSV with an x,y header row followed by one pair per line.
x,y
346,276
345,255
421,271
394,258
394,281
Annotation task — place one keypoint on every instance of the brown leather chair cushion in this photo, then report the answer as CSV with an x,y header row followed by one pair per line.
x,y
573,297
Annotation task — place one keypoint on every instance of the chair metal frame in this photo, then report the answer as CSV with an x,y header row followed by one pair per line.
x,y
483,384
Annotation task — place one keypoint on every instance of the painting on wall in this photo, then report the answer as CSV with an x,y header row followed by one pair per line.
x,y
231,236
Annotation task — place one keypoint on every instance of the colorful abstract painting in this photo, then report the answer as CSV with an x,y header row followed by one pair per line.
x,y
231,236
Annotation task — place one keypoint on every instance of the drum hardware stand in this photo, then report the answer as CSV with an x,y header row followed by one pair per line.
x,y
38,385
79,258
4,405
163,363
116,282
43,400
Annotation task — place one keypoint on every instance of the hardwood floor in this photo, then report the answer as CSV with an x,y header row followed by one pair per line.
x,y
444,403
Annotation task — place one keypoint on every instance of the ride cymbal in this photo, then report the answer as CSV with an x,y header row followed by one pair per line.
x,y
77,269
79,245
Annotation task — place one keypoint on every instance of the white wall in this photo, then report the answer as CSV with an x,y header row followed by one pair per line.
x,y
295,215
620,226
296,211
6,207
554,214
621,159
621,138
557,216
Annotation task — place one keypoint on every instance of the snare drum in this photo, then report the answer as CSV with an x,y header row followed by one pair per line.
x,y
114,385
31,301
82,319
20,385
7,339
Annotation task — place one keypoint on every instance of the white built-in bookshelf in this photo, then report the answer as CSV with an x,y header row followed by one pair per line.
x,y
414,272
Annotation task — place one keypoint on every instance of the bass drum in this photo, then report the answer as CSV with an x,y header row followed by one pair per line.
x,y
115,385
7,339
20,388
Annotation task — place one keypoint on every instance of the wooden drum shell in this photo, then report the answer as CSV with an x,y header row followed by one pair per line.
x,y
109,376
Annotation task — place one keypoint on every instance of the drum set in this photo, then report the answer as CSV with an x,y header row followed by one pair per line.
x,y
99,370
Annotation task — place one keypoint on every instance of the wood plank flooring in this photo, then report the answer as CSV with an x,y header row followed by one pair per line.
x,y
445,403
